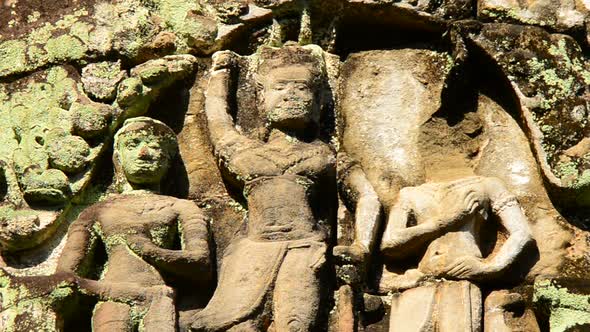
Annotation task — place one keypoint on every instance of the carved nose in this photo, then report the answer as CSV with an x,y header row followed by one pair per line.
x,y
144,152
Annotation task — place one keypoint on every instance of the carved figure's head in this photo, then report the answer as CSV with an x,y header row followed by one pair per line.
x,y
144,149
289,84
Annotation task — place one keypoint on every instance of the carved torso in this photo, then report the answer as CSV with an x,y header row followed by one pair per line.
x,y
279,177
429,200
279,157
149,216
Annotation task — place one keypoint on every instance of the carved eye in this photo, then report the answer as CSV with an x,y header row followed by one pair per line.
x,y
133,143
280,86
302,86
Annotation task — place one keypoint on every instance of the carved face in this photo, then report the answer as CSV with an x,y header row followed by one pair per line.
x,y
143,157
289,99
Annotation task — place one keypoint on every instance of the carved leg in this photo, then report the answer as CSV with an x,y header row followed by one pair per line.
x,y
412,310
111,316
449,306
297,292
459,307
161,315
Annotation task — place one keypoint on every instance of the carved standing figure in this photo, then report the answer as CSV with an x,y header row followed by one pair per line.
x,y
444,219
402,162
272,272
138,229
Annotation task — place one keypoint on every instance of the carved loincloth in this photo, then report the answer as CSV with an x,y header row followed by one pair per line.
x,y
442,306
246,281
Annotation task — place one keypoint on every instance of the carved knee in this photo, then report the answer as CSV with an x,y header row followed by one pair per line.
x,y
295,324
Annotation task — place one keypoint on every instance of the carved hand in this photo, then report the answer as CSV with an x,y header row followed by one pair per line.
x,y
395,282
143,247
457,205
468,267
187,257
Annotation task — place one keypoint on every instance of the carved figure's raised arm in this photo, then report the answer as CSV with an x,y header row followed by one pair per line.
x,y
506,207
225,138
79,246
356,189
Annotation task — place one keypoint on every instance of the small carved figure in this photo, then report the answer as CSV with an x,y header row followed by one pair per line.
x,y
139,229
272,272
444,219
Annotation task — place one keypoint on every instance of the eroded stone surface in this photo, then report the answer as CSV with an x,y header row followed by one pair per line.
x,y
550,74
559,14
505,311
101,79
441,160
284,239
137,229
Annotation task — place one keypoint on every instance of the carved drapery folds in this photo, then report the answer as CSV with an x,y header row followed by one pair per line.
x,y
294,166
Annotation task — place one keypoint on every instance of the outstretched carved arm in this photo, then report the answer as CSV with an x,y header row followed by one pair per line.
x,y
113,291
80,244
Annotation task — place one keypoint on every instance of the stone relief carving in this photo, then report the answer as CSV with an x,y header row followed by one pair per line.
x,y
357,165
407,145
138,229
283,239
55,135
446,219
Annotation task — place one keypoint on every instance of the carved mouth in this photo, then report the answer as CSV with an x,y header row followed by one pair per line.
x,y
144,162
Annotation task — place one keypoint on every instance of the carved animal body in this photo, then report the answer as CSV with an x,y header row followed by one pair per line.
x,y
382,110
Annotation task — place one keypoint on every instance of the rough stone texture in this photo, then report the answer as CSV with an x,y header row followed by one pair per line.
x,y
566,300
562,15
505,311
294,165
101,79
551,77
